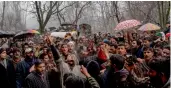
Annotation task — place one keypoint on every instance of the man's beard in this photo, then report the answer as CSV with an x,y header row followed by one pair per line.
x,y
39,72
29,57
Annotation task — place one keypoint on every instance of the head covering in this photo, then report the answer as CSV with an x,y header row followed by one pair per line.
x,y
16,50
93,68
106,41
71,43
2,49
28,50
158,34
161,34
71,80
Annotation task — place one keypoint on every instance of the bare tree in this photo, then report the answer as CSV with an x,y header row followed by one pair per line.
x,y
40,12
163,12
141,10
78,13
115,9
60,13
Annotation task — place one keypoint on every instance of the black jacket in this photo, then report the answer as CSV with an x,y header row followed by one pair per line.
x,y
7,76
34,80
22,70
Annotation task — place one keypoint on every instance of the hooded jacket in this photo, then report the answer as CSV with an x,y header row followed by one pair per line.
x,y
64,67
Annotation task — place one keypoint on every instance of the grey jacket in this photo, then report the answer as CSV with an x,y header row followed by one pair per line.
x,y
64,67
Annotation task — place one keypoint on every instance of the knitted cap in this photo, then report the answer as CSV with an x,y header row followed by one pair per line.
x,y
2,49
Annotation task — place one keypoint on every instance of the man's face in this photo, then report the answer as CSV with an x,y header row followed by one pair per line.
x,y
46,59
158,50
17,60
44,50
146,43
148,54
113,41
40,68
64,49
134,35
70,60
50,54
17,53
70,47
26,46
112,50
121,50
134,44
30,54
166,53
107,47
3,55
89,50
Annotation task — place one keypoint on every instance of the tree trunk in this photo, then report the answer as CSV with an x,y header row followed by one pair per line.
x,y
3,14
168,12
159,12
41,28
117,12
162,9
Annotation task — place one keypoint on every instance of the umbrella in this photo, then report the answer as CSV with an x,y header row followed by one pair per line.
x,y
22,35
33,31
127,24
149,27
5,34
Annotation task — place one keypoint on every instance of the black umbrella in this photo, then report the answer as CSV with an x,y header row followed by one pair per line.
x,y
5,34
22,35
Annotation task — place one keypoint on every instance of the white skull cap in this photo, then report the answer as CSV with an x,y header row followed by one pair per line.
x,y
71,42
28,50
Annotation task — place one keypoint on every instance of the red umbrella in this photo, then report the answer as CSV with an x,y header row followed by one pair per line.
x,y
127,24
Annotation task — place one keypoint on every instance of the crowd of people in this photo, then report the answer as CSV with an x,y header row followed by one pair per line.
x,y
104,61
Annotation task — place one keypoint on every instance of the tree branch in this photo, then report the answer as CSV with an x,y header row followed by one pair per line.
x,y
63,8
49,14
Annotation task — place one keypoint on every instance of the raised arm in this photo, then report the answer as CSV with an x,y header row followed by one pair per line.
x,y
55,52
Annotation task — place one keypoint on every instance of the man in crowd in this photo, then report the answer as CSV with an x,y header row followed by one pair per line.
x,y
37,78
7,70
24,67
